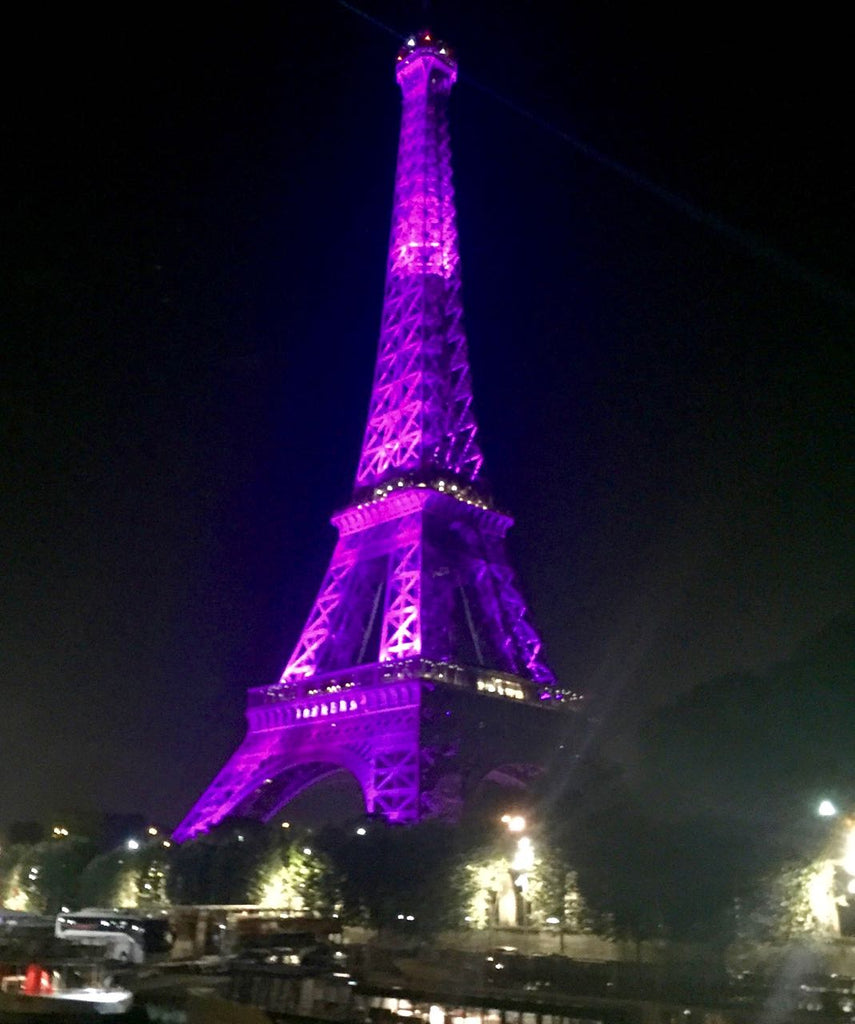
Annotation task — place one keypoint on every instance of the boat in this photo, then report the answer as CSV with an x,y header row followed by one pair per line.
x,y
70,994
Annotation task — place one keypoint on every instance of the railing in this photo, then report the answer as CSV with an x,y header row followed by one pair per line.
x,y
380,674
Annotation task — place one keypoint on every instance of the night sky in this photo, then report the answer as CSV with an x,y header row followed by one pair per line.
x,y
193,268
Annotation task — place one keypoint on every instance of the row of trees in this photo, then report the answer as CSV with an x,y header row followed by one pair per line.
x,y
613,872
419,878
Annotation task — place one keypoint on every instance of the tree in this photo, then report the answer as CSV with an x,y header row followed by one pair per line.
x,y
780,908
16,889
110,880
404,878
61,864
554,890
220,866
190,868
723,799
42,878
297,877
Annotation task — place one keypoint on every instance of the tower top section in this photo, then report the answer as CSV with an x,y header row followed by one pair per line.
x,y
420,419
423,51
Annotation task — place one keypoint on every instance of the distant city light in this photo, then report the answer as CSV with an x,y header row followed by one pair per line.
x,y
826,809
361,831
152,831
515,822
286,824
307,851
133,844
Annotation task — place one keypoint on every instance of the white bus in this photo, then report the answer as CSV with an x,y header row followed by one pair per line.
x,y
123,935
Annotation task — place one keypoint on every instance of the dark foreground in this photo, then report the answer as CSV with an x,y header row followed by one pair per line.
x,y
456,989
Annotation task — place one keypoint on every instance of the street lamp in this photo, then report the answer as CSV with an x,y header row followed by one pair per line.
x,y
524,856
521,865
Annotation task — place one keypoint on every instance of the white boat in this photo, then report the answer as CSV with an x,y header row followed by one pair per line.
x,y
51,996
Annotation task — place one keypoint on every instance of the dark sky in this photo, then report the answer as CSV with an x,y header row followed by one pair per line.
x,y
194,258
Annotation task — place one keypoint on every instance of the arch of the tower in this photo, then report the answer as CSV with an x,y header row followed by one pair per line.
x,y
505,786
374,738
285,779
511,776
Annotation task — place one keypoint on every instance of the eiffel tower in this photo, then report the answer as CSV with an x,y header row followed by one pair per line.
x,y
418,670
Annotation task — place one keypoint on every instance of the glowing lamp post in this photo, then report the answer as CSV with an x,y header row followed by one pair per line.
x,y
522,863
832,882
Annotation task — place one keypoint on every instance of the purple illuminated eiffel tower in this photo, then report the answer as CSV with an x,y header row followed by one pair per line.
x,y
418,670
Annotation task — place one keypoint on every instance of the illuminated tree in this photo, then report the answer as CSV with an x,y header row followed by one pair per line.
x,y
15,891
487,879
793,902
554,892
153,875
110,880
298,879
43,877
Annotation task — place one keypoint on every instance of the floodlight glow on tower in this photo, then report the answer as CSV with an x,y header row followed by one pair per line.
x,y
419,631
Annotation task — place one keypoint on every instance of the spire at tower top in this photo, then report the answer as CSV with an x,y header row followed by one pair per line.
x,y
420,418
424,44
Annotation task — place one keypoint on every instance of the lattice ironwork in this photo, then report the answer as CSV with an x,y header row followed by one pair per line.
x,y
419,603
402,616
420,416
